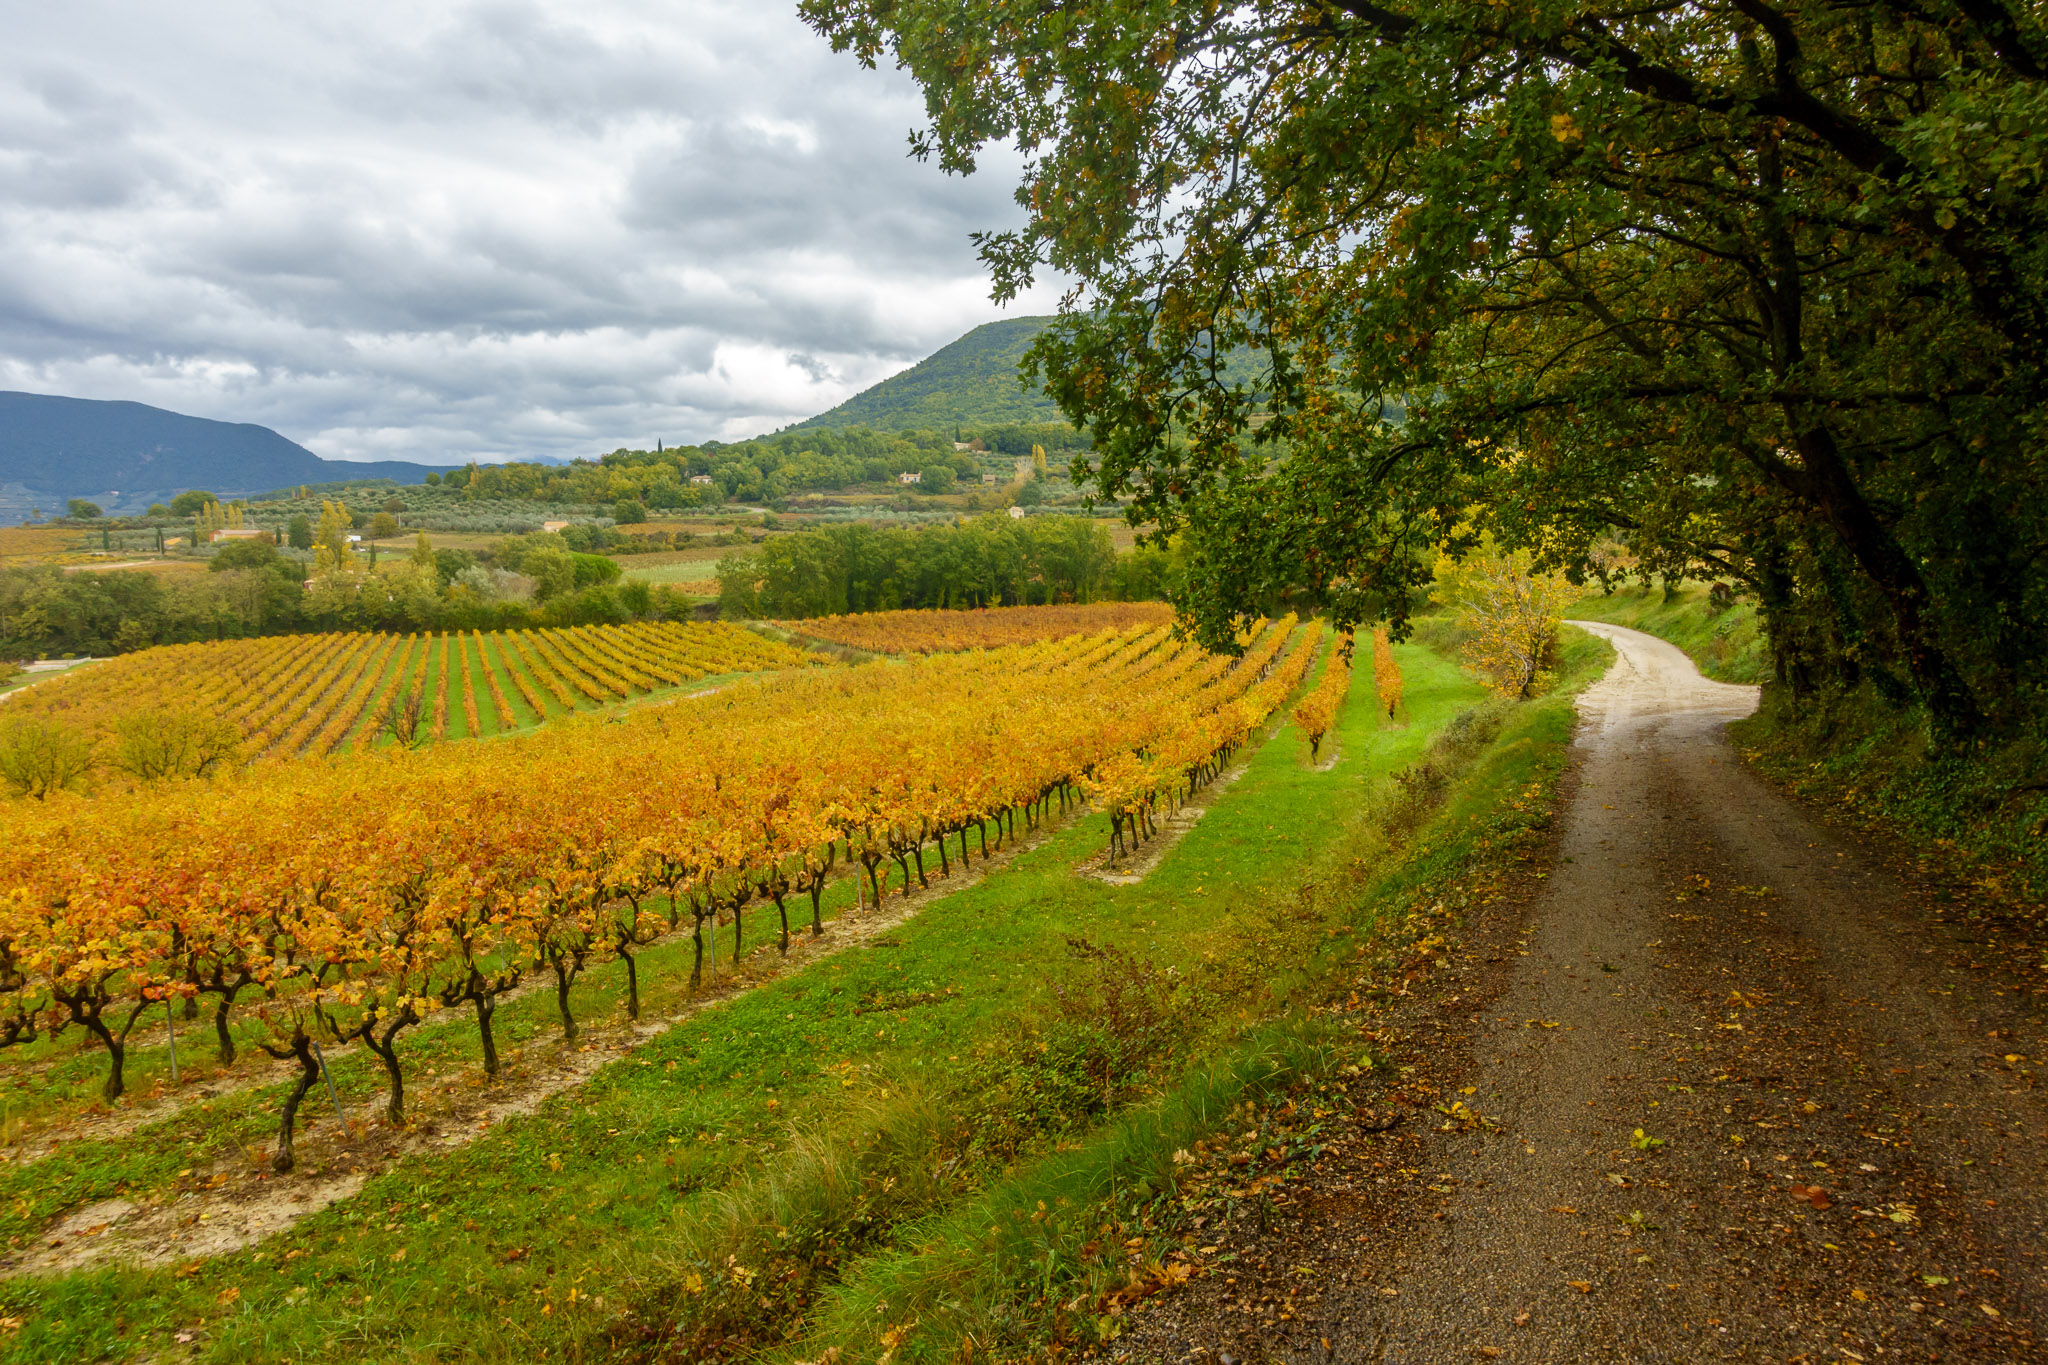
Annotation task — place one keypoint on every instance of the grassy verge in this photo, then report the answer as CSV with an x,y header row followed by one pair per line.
x,y
1725,642
536,1237
1044,1256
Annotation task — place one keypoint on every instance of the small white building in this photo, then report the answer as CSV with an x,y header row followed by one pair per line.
x,y
236,533
700,480
554,526
963,445
910,478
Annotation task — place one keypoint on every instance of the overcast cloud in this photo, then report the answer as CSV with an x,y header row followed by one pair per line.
x,y
440,231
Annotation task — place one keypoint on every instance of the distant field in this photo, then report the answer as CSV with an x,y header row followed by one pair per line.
x,y
696,554
21,545
169,567
693,576
315,694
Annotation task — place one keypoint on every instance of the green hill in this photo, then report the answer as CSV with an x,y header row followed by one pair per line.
x,y
972,382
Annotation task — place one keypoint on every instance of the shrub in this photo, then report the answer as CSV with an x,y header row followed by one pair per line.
x,y
41,757
154,746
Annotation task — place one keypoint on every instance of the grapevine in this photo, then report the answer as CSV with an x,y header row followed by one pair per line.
x,y
351,898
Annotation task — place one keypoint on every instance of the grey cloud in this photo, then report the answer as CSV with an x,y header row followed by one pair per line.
x,y
66,141
469,231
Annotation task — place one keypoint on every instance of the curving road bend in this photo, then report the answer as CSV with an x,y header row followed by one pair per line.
x,y
1854,1154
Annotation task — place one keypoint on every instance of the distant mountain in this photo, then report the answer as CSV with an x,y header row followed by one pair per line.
x,y
972,382
125,456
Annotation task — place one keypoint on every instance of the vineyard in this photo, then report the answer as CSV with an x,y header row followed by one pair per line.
x,y
350,902
302,695
367,964
926,632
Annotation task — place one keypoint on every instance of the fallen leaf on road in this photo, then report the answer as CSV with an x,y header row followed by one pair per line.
x,y
1583,1286
1812,1194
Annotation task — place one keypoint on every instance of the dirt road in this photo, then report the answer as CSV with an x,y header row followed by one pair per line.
x,y
1842,1144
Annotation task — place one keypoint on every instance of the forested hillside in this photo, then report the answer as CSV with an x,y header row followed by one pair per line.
x,y
973,382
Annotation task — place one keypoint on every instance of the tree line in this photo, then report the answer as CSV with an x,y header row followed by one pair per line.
x,y
768,470
987,562
253,589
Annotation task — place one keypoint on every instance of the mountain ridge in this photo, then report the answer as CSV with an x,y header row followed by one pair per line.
x,y
125,455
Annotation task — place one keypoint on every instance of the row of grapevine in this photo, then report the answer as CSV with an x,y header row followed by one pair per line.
x,y
1317,711
301,695
348,901
930,632
1386,674
1190,749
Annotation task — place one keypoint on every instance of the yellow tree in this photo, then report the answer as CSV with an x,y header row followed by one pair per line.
x,y
330,539
1510,613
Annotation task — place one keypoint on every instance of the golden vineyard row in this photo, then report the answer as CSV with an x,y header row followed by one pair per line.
x,y
350,900
928,632
314,694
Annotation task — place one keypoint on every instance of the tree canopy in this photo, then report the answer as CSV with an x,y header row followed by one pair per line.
x,y
1756,288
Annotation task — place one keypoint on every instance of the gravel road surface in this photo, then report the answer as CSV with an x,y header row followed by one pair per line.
x,y
1744,1097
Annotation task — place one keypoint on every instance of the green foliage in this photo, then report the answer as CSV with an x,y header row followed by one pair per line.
x,y
1117,1026
80,510
40,757
629,511
991,561
553,571
935,478
383,526
1979,815
449,564
156,746
1761,291
299,532
245,554
592,570
191,502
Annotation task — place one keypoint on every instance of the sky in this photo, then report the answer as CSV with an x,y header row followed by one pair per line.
x,y
443,232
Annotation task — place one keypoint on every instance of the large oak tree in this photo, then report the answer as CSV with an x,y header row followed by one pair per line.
x,y
1755,287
